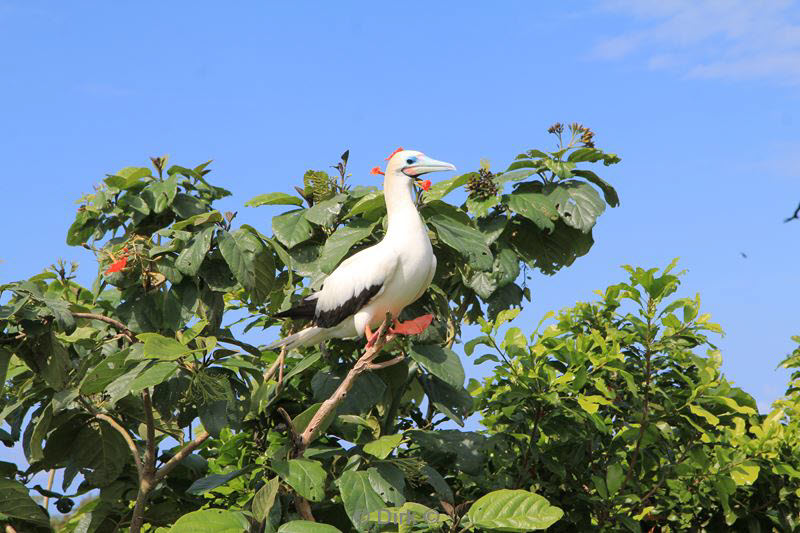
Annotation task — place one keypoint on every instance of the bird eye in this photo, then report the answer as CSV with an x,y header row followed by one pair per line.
x,y
410,161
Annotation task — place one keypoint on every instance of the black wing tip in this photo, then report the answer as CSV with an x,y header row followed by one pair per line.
x,y
305,309
333,317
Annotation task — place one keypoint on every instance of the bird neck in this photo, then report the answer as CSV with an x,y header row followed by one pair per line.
x,y
400,209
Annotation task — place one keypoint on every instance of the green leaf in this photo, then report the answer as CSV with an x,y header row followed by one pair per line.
x,y
302,420
15,502
105,372
359,498
614,478
534,206
609,193
699,411
198,220
578,203
480,208
464,239
82,228
305,476
513,510
265,499
214,416
388,482
382,447
160,195
211,521
203,485
127,177
153,375
442,188
274,198
191,257
455,403
100,448
463,450
340,243
745,473
164,348
326,212
368,206
305,526
292,228
440,486
250,261
442,362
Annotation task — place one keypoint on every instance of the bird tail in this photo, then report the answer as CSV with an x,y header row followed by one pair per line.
x,y
305,337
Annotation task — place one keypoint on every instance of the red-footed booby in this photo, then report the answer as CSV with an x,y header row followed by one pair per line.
x,y
383,278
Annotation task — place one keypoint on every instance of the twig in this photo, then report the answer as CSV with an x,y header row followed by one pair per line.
x,y
12,340
116,323
303,508
274,366
178,457
131,445
362,365
50,479
150,453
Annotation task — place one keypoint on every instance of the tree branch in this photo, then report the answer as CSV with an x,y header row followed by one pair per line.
x,y
150,452
116,323
303,508
362,365
50,479
178,457
132,445
12,340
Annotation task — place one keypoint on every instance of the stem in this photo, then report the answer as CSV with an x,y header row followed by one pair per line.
x,y
49,486
178,457
303,508
102,318
12,340
150,453
125,435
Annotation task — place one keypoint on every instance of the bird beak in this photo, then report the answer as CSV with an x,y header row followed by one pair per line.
x,y
424,165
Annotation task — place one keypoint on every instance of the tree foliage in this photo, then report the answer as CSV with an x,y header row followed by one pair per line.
x,y
618,412
144,388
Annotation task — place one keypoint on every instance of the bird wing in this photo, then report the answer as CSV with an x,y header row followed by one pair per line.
x,y
353,284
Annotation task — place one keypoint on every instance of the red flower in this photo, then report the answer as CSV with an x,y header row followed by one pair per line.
x,y
377,171
425,185
117,265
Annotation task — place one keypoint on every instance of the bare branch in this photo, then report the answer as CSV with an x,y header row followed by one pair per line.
x,y
50,479
178,457
362,365
131,445
390,362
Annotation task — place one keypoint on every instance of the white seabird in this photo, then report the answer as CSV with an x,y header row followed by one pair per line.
x,y
383,278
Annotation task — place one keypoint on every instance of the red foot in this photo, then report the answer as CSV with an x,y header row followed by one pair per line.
x,y
412,327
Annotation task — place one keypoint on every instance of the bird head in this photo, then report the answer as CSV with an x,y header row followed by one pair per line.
x,y
411,165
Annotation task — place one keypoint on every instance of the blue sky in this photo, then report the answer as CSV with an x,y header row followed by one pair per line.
x,y
699,98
